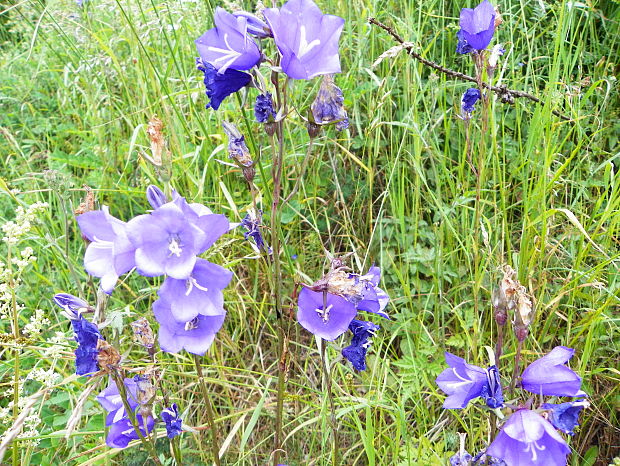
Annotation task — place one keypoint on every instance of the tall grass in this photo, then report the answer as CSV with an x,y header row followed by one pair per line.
x,y
77,89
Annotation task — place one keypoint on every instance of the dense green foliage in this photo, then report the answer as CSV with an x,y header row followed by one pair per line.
x,y
77,88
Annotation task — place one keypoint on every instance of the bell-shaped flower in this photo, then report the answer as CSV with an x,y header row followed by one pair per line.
x,y
361,341
373,299
477,26
121,430
324,314
173,421
492,391
110,253
168,239
328,106
228,44
527,438
195,336
565,416
306,38
462,382
200,294
72,306
256,26
221,85
550,376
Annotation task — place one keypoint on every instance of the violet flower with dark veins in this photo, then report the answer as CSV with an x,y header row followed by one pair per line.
x,y
527,438
362,335
477,26
221,85
228,44
550,376
110,253
492,391
324,314
306,38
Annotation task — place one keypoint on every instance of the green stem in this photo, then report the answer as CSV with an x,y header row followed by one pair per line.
x,y
327,381
210,415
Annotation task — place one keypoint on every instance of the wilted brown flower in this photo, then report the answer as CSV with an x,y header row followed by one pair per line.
x,y
142,333
158,143
108,357
88,204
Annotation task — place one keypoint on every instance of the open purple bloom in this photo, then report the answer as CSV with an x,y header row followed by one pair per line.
x,y
306,38
256,26
168,239
328,106
263,109
228,44
565,416
372,298
87,335
221,85
550,376
121,430
110,253
527,438
462,382
356,351
477,25
469,99
492,391
173,421
195,336
199,294
324,314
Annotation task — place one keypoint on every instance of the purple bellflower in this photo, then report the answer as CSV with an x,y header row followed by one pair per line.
x,y
86,333
228,44
174,423
199,294
371,298
527,438
550,376
477,27
219,86
469,99
306,38
256,26
462,382
462,46
328,106
168,239
263,109
195,336
324,314
110,253
121,430
492,391
356,351
565,416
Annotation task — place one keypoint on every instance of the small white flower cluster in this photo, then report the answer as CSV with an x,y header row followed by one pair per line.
x,y
38,322
58,348
48,378
24,218
30,431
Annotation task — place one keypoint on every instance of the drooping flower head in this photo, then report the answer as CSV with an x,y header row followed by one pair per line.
x,y
477,27
550,376
328,106
306,38
121,430
565,416
195,336
168,239
324,314
469,99
228,44
527,438
263,108
173,421
221,85
356,351
110,253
